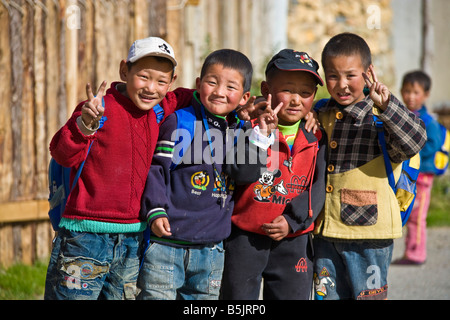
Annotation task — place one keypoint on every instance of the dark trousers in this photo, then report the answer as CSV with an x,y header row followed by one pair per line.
x,y
285,267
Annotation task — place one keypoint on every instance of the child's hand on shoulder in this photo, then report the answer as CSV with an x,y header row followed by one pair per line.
x,y
92,110
312,122
379,93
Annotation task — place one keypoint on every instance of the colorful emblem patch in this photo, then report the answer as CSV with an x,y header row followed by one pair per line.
x,y
200,180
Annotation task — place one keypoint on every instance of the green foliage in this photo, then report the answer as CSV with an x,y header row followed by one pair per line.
x,y
439,211
21,282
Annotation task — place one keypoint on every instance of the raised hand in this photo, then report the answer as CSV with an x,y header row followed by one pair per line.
x,y
268,119
379,93
92,110
251,110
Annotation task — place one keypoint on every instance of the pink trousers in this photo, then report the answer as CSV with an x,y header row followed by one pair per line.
x,y
416,238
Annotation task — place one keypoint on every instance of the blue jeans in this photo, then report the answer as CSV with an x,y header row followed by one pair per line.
x,y
91,266
345,269
171,273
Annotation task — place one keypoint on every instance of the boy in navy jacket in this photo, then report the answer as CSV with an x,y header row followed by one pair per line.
x,y
188,199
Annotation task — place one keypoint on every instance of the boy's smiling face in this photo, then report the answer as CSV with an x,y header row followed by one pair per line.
x,y
295,89
147,81
221,90
344,79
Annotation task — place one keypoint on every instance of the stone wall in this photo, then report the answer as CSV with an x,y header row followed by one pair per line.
x,y
311,23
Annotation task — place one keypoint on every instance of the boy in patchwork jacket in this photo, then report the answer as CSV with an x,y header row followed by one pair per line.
x,y
354,234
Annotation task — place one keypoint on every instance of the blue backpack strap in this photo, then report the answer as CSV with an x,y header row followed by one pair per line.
x,y
103,118
77,176
60,188
159,112
101,123
320,103
186,121
407,179
239,125
387,162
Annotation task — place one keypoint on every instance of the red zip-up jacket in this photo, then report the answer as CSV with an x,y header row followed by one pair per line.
x,y
295,188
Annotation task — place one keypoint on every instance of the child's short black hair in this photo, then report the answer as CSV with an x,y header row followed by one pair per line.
x,y
347,44
419,77
232,59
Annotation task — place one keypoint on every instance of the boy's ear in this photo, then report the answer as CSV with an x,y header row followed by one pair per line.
x,y
197,83
369,73
123,70
174,78
245,98
265,89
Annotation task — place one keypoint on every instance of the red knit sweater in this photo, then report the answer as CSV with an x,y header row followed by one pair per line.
x,y
114,175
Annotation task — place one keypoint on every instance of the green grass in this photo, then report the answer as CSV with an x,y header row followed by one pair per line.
x,y
22,282
439,211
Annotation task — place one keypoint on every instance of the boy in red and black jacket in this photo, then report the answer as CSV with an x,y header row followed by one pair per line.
x,y
273,217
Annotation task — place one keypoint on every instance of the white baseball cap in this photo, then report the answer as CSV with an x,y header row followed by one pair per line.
x,y
152,46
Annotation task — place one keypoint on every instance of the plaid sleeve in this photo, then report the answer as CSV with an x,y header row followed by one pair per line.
x,y
405,132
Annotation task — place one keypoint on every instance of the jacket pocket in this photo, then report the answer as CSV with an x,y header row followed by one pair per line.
x,y
359,207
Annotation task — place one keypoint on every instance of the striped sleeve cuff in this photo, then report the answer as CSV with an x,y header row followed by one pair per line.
x,y
164,148
156,213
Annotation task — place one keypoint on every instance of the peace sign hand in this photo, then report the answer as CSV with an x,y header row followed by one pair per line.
x,y
92,110
268,120
251,110
379,93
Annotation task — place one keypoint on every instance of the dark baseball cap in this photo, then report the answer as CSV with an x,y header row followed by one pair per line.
x,y
291,60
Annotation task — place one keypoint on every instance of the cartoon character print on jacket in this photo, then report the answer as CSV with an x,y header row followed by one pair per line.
x,y
200,180
266,188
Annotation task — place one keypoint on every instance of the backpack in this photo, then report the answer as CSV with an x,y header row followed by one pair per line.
x,y
405,187
186,124
441,157
59,178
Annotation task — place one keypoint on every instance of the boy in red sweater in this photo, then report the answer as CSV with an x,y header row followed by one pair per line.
x,y
96,252
273,217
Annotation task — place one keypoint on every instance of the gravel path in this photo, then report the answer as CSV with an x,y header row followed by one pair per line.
x,y
429,281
